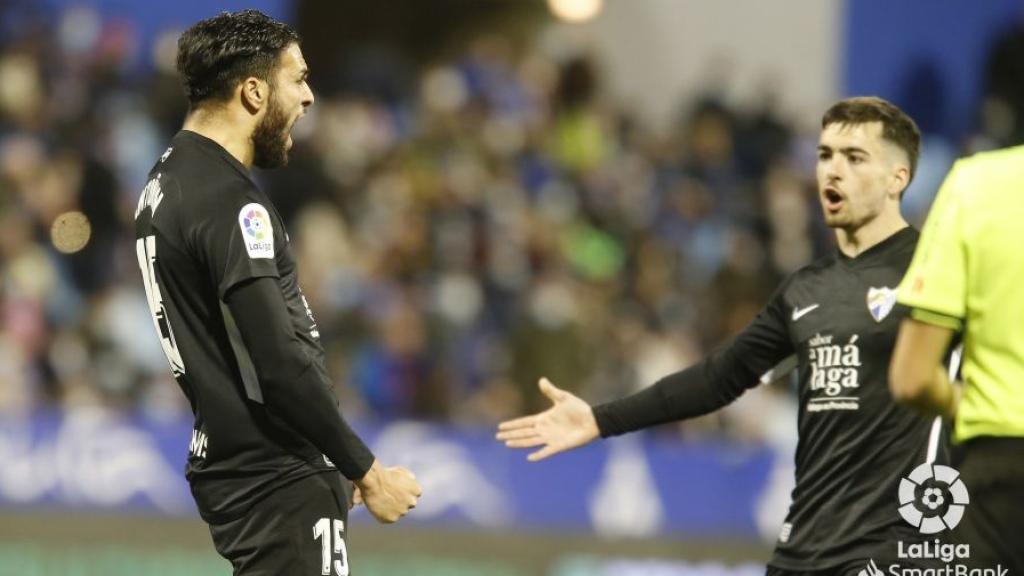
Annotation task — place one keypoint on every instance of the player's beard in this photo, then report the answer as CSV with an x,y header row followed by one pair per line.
x,y
270,138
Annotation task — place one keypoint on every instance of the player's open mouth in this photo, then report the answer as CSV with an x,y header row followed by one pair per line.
x,y
833,200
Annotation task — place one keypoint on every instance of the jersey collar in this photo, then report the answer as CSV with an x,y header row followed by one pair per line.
x,y
903,237
213,147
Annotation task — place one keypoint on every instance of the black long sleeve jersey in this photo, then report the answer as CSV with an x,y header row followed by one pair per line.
x,y
840,318
206,237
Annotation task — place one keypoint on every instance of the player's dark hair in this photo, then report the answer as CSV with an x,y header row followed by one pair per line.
x,y
216,54
897,127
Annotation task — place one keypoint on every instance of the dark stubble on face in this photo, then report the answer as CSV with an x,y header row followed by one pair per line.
x,y
270,138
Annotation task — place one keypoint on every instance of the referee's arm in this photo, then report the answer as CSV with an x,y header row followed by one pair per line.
x,y
917,376
934,287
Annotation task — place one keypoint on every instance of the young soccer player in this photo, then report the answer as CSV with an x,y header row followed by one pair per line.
x,y
839,317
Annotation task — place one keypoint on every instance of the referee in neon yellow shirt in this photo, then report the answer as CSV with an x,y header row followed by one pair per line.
x,y
968,275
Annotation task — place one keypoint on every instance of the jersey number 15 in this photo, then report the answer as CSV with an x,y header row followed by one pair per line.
x,y
322,531
145,249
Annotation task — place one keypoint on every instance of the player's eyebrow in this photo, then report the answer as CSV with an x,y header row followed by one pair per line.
x,y
847,150
854,150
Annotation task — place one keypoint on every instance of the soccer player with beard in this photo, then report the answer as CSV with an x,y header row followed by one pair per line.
x,y
269,439
839,317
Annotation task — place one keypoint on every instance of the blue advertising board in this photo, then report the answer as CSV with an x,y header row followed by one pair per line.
x,y
634,486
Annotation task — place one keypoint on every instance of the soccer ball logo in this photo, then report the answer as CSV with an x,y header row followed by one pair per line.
x,y
933,498
255,224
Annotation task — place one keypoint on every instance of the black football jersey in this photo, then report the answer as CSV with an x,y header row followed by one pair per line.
x,y
203,226
840,318
836,321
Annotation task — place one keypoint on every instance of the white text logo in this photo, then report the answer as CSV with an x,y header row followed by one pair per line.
x,y
834,371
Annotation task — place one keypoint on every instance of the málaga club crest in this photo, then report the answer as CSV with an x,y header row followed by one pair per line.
x,y
880,302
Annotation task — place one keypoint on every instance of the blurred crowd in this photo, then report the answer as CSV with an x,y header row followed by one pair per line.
x,y
502,220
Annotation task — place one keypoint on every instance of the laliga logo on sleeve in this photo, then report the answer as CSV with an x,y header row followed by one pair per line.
x,y
933,498
255,223
257,232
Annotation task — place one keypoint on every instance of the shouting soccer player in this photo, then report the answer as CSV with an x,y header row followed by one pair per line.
x,y
269,439
839,317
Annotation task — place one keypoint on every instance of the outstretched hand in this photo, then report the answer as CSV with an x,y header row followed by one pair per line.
x,y
568,424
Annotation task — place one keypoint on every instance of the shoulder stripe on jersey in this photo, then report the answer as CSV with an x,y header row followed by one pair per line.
x,y
933,440
246,368
936,433
954,362
782,369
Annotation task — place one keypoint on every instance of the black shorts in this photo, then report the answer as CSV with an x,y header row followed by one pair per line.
x,y
299,529
992,469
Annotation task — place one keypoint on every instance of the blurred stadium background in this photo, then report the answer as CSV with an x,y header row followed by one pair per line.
x,y
486,191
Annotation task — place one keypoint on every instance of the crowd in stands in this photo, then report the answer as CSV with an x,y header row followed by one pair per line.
x,y
503,220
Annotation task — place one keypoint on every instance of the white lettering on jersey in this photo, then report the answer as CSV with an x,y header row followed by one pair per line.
x,y
150,198
787,530
257,232
197,447
834,370
313,330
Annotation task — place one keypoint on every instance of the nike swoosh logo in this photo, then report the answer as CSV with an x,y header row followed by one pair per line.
x,y
799,313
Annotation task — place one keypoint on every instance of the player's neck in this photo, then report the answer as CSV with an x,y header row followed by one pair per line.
x,y
854,242
220,127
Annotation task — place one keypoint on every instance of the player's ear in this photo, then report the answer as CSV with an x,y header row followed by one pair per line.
x,y
254,94
899,181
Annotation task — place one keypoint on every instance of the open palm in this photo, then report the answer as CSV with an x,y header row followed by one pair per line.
x,y
568,424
